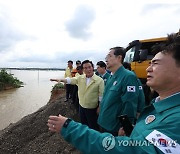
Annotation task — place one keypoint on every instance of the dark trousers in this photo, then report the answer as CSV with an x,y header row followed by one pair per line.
x,y
74,94
75,97
69,90
89,117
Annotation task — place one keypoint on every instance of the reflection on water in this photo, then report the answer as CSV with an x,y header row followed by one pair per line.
x,y
17,103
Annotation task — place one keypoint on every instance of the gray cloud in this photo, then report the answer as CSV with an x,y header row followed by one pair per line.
x,y
9,35
78,26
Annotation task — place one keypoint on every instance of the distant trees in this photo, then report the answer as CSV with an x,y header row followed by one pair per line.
x,y
8,81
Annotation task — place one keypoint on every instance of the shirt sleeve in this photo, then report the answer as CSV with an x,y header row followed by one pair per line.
x,y
130,97
141,100
90,141
68,80
73,80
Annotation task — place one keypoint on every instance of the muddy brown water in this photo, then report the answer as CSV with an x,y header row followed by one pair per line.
x,y
17,103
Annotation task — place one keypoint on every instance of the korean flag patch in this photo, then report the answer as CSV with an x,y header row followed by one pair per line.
x,y
163,142
131,88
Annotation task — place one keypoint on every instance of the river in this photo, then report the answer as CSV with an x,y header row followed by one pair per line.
x,y
19,102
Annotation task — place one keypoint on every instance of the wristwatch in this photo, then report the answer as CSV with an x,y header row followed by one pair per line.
x,y
66,123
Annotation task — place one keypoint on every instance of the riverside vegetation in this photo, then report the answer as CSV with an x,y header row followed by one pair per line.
x,y
8,81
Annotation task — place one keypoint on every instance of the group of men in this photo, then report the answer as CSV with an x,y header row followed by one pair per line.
x,y
157,128
100,107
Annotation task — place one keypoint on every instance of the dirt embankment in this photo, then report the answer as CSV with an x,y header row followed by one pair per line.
x,y
30,135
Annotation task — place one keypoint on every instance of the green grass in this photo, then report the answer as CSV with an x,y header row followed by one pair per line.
x,y
58,86
7,80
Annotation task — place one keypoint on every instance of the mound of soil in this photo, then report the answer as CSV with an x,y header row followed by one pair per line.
x,y
30,135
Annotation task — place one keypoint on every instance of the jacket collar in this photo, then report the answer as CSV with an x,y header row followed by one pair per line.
x,y
119,70
167,103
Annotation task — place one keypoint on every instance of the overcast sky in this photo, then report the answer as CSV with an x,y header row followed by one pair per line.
x,y
48,33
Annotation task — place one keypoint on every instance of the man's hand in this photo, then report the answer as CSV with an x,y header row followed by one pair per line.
x,y
55,123
121,132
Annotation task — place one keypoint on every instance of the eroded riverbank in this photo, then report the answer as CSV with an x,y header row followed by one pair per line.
x,y
31,135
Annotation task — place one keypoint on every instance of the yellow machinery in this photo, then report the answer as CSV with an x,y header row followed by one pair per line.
x,y
139,54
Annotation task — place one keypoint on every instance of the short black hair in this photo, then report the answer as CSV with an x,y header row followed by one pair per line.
x,y
87,61
101,64
70,61
119,51
171,46
78,62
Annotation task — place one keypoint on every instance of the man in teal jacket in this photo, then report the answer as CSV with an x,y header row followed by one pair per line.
x,y
141,99
121,93
157,129
102,72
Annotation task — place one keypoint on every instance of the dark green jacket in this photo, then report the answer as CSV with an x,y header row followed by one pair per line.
x,y
120,97
141,100
105,77
166,121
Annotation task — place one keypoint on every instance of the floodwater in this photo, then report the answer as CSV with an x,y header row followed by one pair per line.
x,y
19,102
